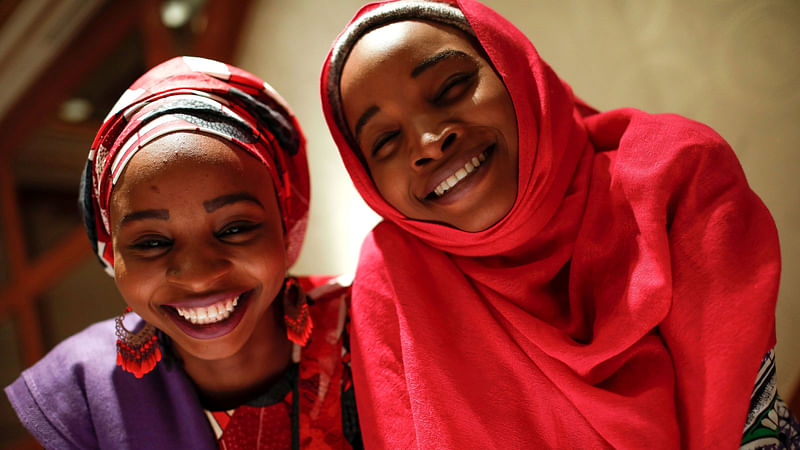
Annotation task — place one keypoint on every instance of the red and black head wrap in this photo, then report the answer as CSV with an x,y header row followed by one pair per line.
x,y
194,94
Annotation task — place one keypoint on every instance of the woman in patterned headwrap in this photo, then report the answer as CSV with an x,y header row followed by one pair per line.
x,y
195,198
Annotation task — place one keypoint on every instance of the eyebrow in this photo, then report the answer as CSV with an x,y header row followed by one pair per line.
x,y
223,200
161,214
371,111
431,61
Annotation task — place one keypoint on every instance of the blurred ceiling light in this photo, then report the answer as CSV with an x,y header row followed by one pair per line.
x,y
176,13
75,110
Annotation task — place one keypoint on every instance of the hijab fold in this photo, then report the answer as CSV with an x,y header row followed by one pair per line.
x,y
625,301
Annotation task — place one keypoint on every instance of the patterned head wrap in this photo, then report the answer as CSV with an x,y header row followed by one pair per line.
x,y
196,94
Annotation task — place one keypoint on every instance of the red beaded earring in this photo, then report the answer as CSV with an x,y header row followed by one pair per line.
x,y
296,313
137,353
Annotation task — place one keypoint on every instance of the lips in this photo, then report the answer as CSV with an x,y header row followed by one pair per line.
x,y
459,170
213,313
210,317
460,174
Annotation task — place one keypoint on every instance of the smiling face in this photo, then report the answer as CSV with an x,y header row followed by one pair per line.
x,y
198,243
434,123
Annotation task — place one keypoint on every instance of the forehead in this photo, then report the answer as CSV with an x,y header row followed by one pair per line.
x,y
395,46
185,157
185,149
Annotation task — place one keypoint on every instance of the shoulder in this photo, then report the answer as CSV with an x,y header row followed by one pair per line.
x,y
668,141
678,141
663,155
329,299
627,126
50,397
323,287
640,136
91,353
76,396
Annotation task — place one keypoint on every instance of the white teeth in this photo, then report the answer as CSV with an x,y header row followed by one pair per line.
x,y
209,314
460,174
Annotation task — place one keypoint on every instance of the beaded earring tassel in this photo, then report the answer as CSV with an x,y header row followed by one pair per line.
x,y
296,313
137,353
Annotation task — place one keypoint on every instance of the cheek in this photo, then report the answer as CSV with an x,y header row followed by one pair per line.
x,y
493,98
268,261
393,186
133,283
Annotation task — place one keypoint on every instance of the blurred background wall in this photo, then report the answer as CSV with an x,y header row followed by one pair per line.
x,y
733,64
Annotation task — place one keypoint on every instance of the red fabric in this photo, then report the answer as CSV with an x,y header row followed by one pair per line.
x,y
322,377
259,428
321,372
625,301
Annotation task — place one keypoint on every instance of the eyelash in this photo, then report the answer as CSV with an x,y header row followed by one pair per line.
x,y
452,82
235,229
382,140
151,244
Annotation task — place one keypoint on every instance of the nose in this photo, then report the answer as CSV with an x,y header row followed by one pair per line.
x,y
432,145
197,268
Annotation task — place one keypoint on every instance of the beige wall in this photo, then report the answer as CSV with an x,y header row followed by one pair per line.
x,y
733,64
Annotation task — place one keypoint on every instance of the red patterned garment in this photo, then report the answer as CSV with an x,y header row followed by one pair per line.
x,y
321,381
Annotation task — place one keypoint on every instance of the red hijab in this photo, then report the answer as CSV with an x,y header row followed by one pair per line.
x,y
625,301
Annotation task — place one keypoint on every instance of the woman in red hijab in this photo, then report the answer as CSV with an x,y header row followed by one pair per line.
x,y
545,275
195,198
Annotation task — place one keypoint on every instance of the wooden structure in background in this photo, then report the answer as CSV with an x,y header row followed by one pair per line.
x,y
114,20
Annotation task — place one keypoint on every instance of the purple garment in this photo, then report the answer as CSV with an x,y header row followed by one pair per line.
x,y
76,397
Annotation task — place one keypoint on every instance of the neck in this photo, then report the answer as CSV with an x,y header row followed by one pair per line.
x,y
227,383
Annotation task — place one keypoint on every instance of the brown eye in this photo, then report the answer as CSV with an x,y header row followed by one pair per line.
x,y
454,87
151,245
237,231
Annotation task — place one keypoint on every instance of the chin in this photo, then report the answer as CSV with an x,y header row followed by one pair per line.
x,y
475,226
213,352
483,219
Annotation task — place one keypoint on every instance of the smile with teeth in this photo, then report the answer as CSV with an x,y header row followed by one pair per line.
x,y
209,314
460,174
